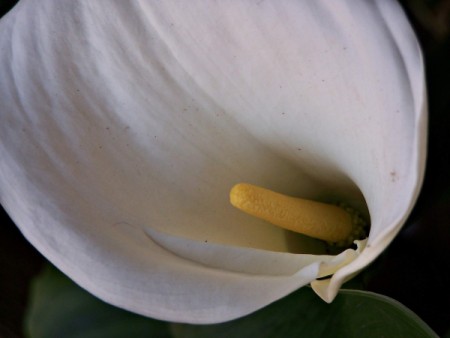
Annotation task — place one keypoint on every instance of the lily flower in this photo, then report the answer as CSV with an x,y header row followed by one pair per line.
x,y
124,126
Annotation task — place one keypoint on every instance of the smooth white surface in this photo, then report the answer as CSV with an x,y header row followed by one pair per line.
x,y
125,124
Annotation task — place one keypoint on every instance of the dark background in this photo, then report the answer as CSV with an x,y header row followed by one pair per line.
x,y
414,270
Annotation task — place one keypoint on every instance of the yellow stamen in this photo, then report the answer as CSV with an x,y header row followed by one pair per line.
x,y
322,221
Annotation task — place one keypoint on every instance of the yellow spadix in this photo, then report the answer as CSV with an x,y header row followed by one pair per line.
x,y
318,220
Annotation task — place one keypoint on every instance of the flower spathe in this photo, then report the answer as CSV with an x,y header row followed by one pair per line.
x,y
125,124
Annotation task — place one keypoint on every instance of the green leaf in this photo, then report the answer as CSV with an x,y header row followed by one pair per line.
x,y
353,313
59,308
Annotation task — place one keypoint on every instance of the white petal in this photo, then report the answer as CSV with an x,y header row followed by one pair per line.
x,y
120,119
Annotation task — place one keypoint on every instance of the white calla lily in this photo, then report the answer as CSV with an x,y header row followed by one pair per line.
x,y
124,126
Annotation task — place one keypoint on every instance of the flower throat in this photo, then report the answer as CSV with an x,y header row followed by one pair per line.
x,y
338,225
